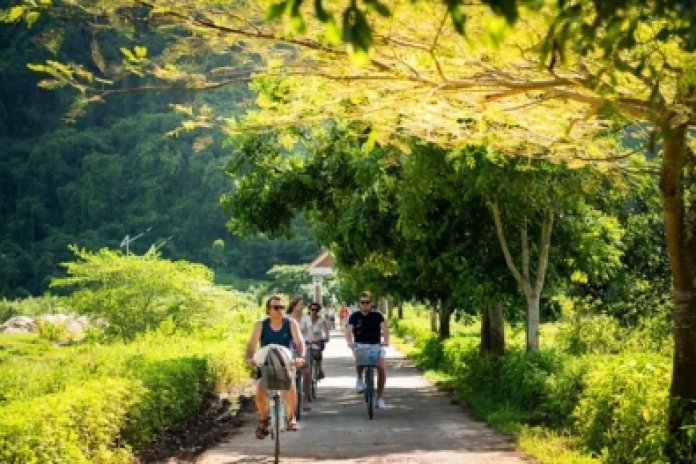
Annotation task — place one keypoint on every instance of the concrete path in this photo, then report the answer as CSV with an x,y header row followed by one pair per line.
x,y
419,426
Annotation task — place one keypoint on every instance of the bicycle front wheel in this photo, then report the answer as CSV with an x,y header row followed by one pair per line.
x,y
276,427
313,378
370,390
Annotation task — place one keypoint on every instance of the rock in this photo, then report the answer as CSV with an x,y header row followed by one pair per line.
x,y
25,324
18,324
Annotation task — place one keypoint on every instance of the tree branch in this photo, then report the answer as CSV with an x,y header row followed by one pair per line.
x,y
545,245
503,243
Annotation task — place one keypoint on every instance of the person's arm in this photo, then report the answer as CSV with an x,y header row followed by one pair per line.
x,y
385,332
349,334
297,338
253,342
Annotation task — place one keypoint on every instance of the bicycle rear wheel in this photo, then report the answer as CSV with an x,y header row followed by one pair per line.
x,y
370,390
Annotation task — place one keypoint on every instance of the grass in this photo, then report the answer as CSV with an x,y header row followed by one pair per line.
x,y
22,344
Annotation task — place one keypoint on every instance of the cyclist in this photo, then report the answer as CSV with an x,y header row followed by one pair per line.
x,y
366,327
320,330
331,316
295,312
343,314
280,330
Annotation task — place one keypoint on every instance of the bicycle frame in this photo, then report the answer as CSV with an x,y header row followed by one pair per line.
x,y
368,378
313,370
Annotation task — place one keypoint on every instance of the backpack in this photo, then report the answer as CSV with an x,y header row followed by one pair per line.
x,y
277,373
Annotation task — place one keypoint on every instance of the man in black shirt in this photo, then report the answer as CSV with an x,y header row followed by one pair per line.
x,y
366,327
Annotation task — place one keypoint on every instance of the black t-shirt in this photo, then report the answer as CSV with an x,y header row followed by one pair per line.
x,y
366,327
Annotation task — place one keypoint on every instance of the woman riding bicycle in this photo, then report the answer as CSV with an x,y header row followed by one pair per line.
x,y
320,330
279,330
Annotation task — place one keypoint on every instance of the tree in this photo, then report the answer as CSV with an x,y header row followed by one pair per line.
x,y
290,279
133,294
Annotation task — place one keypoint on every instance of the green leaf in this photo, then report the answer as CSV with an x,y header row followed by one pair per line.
x,y
31,18
458,18
505,8
140,52
276,10
13,15
128,53
322,15
379,7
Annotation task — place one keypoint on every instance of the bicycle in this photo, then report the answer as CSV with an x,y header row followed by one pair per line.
x,y
314,352
366,356
299,386
275,385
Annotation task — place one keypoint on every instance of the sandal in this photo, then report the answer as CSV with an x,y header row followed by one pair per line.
x,y
262,428
292,425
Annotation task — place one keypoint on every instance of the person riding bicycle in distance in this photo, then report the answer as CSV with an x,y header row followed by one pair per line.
x,y
280,330
366,327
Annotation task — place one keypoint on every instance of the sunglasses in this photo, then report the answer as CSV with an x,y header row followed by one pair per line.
x,y
365,302
277,307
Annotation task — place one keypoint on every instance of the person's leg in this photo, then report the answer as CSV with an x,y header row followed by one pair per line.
x,y
381,375
320,361
261,402
289,396
305,404
262,408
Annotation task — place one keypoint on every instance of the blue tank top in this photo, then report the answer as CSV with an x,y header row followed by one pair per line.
x,y
281,337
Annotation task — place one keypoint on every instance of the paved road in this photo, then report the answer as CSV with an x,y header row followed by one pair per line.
x,y
419,426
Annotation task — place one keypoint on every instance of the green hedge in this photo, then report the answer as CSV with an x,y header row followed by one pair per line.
x,y
96,403
79,425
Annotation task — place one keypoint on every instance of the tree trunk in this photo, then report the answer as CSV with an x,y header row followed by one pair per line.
x,y
400,310
680,233
493,331
530,285
532,320
445,313
433,319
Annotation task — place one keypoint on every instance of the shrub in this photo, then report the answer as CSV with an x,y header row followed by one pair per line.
x,y
622,410
51,331
583,333
79,425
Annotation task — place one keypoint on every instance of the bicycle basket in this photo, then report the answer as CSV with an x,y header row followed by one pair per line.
x,y
367,355
277,373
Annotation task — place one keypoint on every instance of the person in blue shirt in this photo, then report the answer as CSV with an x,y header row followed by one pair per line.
x,y
369,328
279,330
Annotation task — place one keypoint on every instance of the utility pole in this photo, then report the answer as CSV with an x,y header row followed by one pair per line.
x,y
128,240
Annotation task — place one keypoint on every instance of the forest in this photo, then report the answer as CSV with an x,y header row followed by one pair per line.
x,y
112,173
523,171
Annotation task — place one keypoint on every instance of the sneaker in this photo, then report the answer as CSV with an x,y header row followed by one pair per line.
x,y
359,386
380,404
321,375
